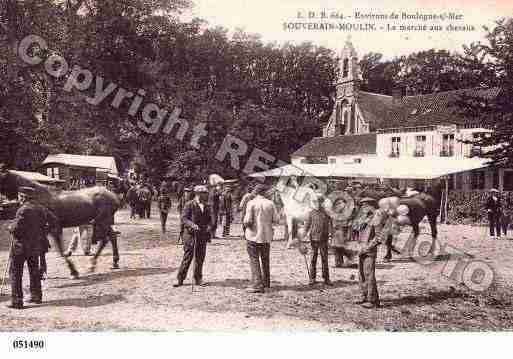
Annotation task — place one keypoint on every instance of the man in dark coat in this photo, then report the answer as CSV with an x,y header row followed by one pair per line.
x,y
213,201
164,202
197,221
494,210
319,227
226,210
29,231
131,198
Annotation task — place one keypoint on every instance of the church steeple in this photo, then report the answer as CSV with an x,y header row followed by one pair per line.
x,y
349,71
345,118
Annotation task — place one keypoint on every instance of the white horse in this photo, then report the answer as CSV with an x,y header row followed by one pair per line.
x,y
296,206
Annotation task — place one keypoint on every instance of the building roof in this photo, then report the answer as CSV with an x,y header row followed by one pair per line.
x,y
102,162
373,106
339,145
374,167
36,176
433,109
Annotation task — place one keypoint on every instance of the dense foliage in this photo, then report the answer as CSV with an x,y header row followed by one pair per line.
x,y
274,97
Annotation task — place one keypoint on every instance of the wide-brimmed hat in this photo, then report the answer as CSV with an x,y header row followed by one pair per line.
x,y
200,189
495,190
27,191
187,189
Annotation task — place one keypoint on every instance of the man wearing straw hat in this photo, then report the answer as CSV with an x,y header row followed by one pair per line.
x,y
28,242
197,221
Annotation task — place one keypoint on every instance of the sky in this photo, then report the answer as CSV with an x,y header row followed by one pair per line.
x,y
267,18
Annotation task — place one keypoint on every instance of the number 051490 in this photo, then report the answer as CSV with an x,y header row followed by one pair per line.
x,y
28,344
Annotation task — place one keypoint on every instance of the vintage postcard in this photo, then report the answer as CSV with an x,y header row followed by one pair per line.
x,y
228,166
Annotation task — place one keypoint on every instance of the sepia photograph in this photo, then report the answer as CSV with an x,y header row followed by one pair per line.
x,y
303,166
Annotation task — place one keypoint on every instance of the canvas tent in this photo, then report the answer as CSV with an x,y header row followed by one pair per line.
x,y
392,168
37,177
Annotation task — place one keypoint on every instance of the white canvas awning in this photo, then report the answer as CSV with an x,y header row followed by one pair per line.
x,y
396,168
36,176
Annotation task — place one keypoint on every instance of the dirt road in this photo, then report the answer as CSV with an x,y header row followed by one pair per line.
x,y
140,295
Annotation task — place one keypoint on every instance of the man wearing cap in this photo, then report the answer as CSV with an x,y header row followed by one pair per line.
x,y
319,227
258,221
28,244
226,209
375,226
214,197
197,221
185,197
164,202
494,210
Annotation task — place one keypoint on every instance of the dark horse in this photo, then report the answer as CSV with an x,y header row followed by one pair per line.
x,y
420,205
73,208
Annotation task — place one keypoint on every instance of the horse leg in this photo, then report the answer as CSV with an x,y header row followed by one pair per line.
x,y
60,247
434,231
409,247
289,231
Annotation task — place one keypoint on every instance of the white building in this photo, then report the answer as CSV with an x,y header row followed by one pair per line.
x,y
399,139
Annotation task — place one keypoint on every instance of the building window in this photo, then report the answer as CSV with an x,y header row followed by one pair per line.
x,y
420,146
478,180
508,181
396,147
345,67
49,172
447,145
56,172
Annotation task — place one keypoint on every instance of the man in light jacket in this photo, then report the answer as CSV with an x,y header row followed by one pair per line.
x,y
258,221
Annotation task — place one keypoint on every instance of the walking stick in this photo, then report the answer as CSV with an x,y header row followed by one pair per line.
x,y
7,266
193,261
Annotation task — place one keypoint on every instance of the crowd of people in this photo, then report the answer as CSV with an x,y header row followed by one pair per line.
x,y
204,211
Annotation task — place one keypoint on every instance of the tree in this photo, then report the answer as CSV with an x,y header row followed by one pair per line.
x,y
495,112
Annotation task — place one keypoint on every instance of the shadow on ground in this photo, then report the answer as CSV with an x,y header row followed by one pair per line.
x,y
104,277
87,302
431,298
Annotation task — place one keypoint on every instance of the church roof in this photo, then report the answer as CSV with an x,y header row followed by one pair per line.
x,y
439,108
373,106
339,145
